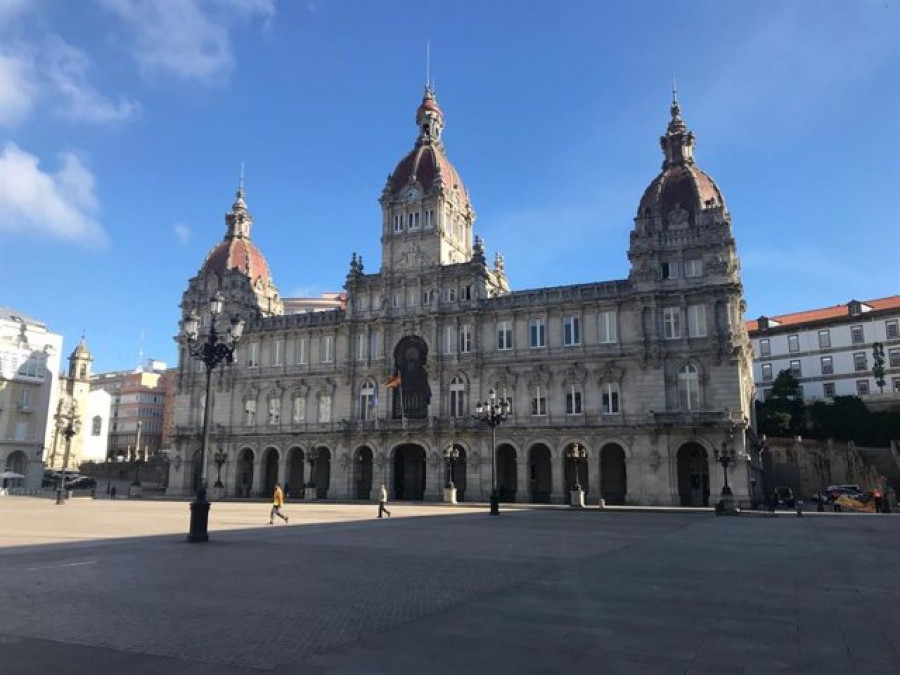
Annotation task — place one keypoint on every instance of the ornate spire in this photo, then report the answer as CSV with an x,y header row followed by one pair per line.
x,y
429,118
678,143
239,220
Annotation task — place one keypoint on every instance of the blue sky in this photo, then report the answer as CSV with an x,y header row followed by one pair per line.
x,y
123,125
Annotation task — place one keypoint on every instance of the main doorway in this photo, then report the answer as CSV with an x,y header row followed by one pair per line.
x,y
409,472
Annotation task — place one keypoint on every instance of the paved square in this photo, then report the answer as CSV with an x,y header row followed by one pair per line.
x,y
111,586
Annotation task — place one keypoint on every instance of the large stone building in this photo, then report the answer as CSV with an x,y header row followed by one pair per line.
x,y
652,374
73,402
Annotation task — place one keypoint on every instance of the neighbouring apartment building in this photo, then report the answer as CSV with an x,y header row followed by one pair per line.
x,y
651,375
137,413
829,350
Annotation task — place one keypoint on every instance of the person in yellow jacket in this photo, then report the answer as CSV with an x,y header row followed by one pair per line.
x,y
382,502
277,501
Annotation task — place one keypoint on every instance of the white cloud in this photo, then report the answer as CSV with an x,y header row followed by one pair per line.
x,y
17,89
187,38
66,69
182,231
60,204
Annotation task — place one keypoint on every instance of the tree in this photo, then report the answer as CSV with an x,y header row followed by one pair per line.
x,y
878,365
784,412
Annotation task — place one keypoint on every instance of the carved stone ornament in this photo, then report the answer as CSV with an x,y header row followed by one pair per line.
x,y
677,217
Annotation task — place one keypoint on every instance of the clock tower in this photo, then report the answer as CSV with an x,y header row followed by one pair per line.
x,y
427,218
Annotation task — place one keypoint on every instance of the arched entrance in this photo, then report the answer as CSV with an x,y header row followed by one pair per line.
x,y
507,473
295,473
613,478
362,479
409,472
196,472
540,474
243,480
270,471
322,472
693,475
17,463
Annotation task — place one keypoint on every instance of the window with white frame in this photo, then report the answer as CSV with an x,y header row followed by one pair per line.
x,y
373,345
429,219
608,328
696,315
327,348
766,372
693,268
537,331
395,299
689,387
765,347
857,336
824,339
539,400
827,365
862,387
894,358
449,339
671,323
457,397
795,368
892,329
275,350
793,343
465,339
573,399
609,398
398,224
324,408
300,351
828,389
298,409
250,412
274,410
360,351
571,331
670,270
21,430
860,361
504,335
253,355
466,292
450,294
25,399
367,400
896,383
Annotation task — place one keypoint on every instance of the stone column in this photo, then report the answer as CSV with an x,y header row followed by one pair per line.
x,y
523,477
558,469
593,470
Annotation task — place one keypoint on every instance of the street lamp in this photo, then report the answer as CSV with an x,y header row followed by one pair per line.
x,y
312,456
219,460
576,453
725,458
213,351
135,489
68,423
493,414
451,454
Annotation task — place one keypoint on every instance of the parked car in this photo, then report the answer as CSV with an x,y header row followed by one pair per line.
x,y
784,496
81,483
832,492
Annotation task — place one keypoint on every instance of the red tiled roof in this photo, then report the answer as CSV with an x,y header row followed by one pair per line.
x,y
237,253
426,162
682,184
825,313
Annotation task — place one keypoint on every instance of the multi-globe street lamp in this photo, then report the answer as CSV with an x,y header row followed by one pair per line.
x,y
68,422
576,453
219,460
212,351
493,414
725,457
451,454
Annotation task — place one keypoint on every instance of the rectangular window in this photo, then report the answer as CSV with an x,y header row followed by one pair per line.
x,y
827,365
767,372
539,400
573,400
670,270
449,339
671,323
610,398
862,387
765,347
859,361
538,333
253,355
892,329
504,335
327,348
325,408
275,353
373,345
824,339
360,347
450,294
608,329
395,300
22,430
793,343
457,401
767,394
298,410
693,268
894,358
857,336
696,320
250,412
896,383
571,331
398,224
795,369
300,351
828,389
465,339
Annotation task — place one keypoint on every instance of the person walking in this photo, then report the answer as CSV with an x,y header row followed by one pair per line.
x,y
879,500
112,492
277,501
382,501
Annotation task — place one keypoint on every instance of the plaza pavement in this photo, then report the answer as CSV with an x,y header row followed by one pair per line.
x,y
101,586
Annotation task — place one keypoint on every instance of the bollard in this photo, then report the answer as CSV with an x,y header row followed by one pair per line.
x,y
799,505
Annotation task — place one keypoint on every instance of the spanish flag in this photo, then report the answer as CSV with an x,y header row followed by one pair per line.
x,y
393,381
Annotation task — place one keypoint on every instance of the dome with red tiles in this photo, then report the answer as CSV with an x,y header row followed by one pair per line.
x,y
236,251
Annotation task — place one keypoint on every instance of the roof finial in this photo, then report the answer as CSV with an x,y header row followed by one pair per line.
x,y
674,91
427,63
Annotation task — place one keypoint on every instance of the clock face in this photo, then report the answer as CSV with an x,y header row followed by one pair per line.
x,y
412,194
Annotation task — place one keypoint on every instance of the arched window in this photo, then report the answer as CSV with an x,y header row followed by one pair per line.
x,y
457,397
368,400
689,388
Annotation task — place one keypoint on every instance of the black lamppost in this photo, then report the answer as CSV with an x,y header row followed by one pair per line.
x,y
219,459
213,351
136,483
68,423
451,454
312,457
493,414
576,453
725,458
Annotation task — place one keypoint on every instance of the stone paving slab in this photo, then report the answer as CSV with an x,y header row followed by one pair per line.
x,y
106,587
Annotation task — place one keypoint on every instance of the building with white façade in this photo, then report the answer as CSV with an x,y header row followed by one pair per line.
x,y
651,375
